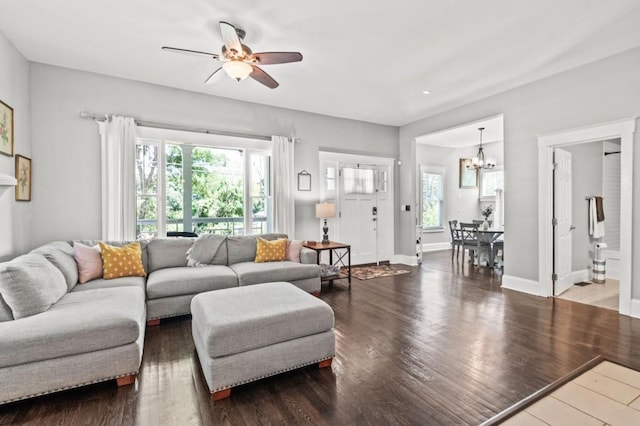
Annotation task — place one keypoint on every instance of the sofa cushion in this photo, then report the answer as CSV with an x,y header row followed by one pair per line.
x,y
89,262
63,260
5,311
30,284
271,251
168,253
208,249
242,248
80,322
114,283
185,280
125,261
293,250
255,273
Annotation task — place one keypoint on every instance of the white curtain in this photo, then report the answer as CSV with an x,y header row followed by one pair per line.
x,y
118,149
283,202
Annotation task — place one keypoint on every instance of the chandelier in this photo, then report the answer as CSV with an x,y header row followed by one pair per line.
x,y
479,161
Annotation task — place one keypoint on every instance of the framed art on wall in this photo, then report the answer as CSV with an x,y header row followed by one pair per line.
x,y
23,176
6,129
304,181
468,177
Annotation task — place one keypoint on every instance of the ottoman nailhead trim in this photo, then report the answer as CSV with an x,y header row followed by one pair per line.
x,y
271,374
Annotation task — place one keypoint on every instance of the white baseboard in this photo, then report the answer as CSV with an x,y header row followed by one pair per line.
x,y
635,308
436,246
404,259
523,285
580,276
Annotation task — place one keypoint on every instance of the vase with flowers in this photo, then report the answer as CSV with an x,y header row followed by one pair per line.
x,y
486,213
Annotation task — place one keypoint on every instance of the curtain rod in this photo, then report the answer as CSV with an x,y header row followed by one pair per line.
x,y
99,117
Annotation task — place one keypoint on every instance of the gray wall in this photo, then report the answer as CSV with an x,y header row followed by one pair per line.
x,y
461,204
14,91
602,91
586,180
66,148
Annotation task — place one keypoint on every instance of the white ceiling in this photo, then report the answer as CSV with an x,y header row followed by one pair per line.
x,y
362,60
467,134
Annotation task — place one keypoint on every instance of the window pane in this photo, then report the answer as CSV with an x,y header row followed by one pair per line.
x,y
492,180
147,217
358,180
432,195
175,189
259,209
259,175
217,191
146,169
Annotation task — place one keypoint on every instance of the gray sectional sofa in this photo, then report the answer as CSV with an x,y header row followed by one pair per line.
x,y
57,334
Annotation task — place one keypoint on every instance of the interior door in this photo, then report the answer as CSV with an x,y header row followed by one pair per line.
x,y
562,230
358,211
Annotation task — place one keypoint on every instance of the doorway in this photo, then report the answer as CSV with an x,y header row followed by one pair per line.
x,y
362,187
546,144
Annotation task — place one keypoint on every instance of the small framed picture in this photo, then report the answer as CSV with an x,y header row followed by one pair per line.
x,y
6,129
23,176
468,176
304,181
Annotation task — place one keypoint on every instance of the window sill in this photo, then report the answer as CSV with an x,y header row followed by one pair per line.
x,y
432,230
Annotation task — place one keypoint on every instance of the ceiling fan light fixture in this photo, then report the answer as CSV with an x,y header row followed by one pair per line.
x,y
237,70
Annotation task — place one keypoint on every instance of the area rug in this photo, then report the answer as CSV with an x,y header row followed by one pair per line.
x,y
373,271
598,392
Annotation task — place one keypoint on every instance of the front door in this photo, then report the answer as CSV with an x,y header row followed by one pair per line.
x,y
365,218
562,230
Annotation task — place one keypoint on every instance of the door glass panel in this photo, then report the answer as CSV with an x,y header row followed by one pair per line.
x,y
358,180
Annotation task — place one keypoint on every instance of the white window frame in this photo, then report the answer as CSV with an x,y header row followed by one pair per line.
x,y
482,172
436,170
160,138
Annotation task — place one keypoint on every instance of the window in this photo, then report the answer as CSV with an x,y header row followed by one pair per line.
x,y
432,184
358,180
490,181
201,188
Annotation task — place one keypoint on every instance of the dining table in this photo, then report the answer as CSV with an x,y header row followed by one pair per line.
x,y
489,235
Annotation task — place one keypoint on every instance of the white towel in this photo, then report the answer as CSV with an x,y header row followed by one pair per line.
x,y
596,229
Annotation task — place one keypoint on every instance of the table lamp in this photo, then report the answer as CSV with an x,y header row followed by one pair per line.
x,y
325,211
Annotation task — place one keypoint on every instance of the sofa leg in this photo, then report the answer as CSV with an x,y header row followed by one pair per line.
x,y
326,363
217,396
153,322
126,380
316,293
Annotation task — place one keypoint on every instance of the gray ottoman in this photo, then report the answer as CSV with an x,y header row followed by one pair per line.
x,y
243,334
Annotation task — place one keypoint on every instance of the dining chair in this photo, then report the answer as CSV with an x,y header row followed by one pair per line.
x,y
181,234
456,238
478,221
471,241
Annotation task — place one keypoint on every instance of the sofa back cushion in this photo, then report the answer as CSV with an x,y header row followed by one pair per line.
x,y
168,253
242,248
60,254
5,311
208,249
30,284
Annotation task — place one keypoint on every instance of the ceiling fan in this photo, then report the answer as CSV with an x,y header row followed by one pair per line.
x,y
239,61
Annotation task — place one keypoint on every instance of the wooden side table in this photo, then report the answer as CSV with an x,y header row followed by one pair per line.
x,y
340,249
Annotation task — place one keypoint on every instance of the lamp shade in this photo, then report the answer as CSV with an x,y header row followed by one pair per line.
x,y
325,210
237,70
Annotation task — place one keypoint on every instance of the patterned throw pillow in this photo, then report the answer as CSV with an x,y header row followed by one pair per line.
x,y
125,261
271,251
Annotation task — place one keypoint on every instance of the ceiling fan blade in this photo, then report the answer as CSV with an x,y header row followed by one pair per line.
x,y
267,58
262,77
230,37
189,52
208,80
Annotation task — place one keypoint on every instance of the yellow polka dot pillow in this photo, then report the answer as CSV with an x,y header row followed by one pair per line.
x,y
271,251
125,261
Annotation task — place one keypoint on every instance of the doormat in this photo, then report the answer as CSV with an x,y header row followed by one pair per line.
x,y
583,283
373,271
580,395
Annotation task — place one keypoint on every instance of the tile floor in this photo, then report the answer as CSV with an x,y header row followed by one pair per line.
x,y
608,394
604,295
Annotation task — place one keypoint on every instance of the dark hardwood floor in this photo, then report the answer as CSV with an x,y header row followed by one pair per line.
x,y
442,345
